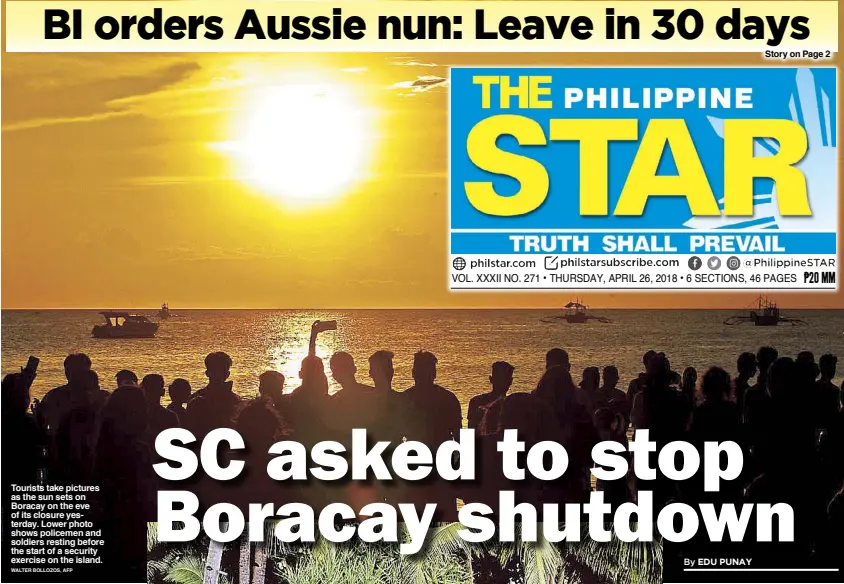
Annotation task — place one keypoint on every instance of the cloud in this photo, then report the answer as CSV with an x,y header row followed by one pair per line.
x,y
35,101
421,84
410,62
356,70
165,181
214,253
41,122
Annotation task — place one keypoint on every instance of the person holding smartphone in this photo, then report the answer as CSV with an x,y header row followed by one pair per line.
x,y
24,442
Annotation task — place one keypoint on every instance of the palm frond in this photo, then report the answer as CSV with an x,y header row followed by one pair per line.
x,y
185,569
155,570
617,561
542,560
443,539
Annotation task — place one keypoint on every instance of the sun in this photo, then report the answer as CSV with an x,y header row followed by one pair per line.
x,y
303,142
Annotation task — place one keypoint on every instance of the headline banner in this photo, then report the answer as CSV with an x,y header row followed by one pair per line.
x,y
214,26
643,178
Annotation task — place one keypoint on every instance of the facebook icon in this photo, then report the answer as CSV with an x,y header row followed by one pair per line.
x,y
695,263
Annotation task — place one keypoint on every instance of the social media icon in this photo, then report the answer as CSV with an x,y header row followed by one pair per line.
x,y
459,264
695,263
714,263
734,263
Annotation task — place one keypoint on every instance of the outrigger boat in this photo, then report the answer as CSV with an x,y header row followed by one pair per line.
x,y
764,313
576,313
122,325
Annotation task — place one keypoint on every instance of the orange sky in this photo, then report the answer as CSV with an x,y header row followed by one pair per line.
x,y
116,194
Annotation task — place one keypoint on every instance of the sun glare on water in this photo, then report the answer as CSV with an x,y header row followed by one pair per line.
x,y
303,143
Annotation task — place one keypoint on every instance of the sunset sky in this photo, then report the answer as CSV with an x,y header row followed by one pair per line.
x,y
133,179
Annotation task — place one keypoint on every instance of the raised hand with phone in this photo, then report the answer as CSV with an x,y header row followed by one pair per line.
x,y
319,326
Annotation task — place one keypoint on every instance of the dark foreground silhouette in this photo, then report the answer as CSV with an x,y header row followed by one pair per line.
x,y
785,413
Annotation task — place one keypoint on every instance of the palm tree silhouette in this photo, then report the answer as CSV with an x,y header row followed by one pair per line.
x,y
446,558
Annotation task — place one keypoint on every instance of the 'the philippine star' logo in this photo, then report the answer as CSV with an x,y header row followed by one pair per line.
x,y
730,148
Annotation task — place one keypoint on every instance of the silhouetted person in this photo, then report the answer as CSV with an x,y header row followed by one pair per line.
x,y
660,409
688,388
75,431
125,377
610,379
787,460
789,431
123,471
485,416
483,408
804,357
54,404
308,404
24,442
807,372
389,422
436,409
609,396
309,407
688,385
716,419
575,431
215,405
160,418
435,417
261,426
757,402
344,371
381,370
389,419
534,421
355,406
827,394
352,406
557,358
179,392
271,388
746,367
612,427
673,377
590,381
637,384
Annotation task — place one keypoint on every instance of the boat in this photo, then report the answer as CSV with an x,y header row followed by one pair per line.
x,y
164,311
123,325
576,313
764,312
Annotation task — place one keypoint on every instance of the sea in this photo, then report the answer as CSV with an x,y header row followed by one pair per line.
x,y
466,342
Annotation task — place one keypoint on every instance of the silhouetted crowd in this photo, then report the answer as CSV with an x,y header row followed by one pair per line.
x,y
785,413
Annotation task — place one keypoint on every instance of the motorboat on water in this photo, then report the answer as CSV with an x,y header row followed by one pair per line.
x,y
123,325
164,311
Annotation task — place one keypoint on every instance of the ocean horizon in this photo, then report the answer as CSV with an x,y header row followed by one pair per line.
x,y
466,342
